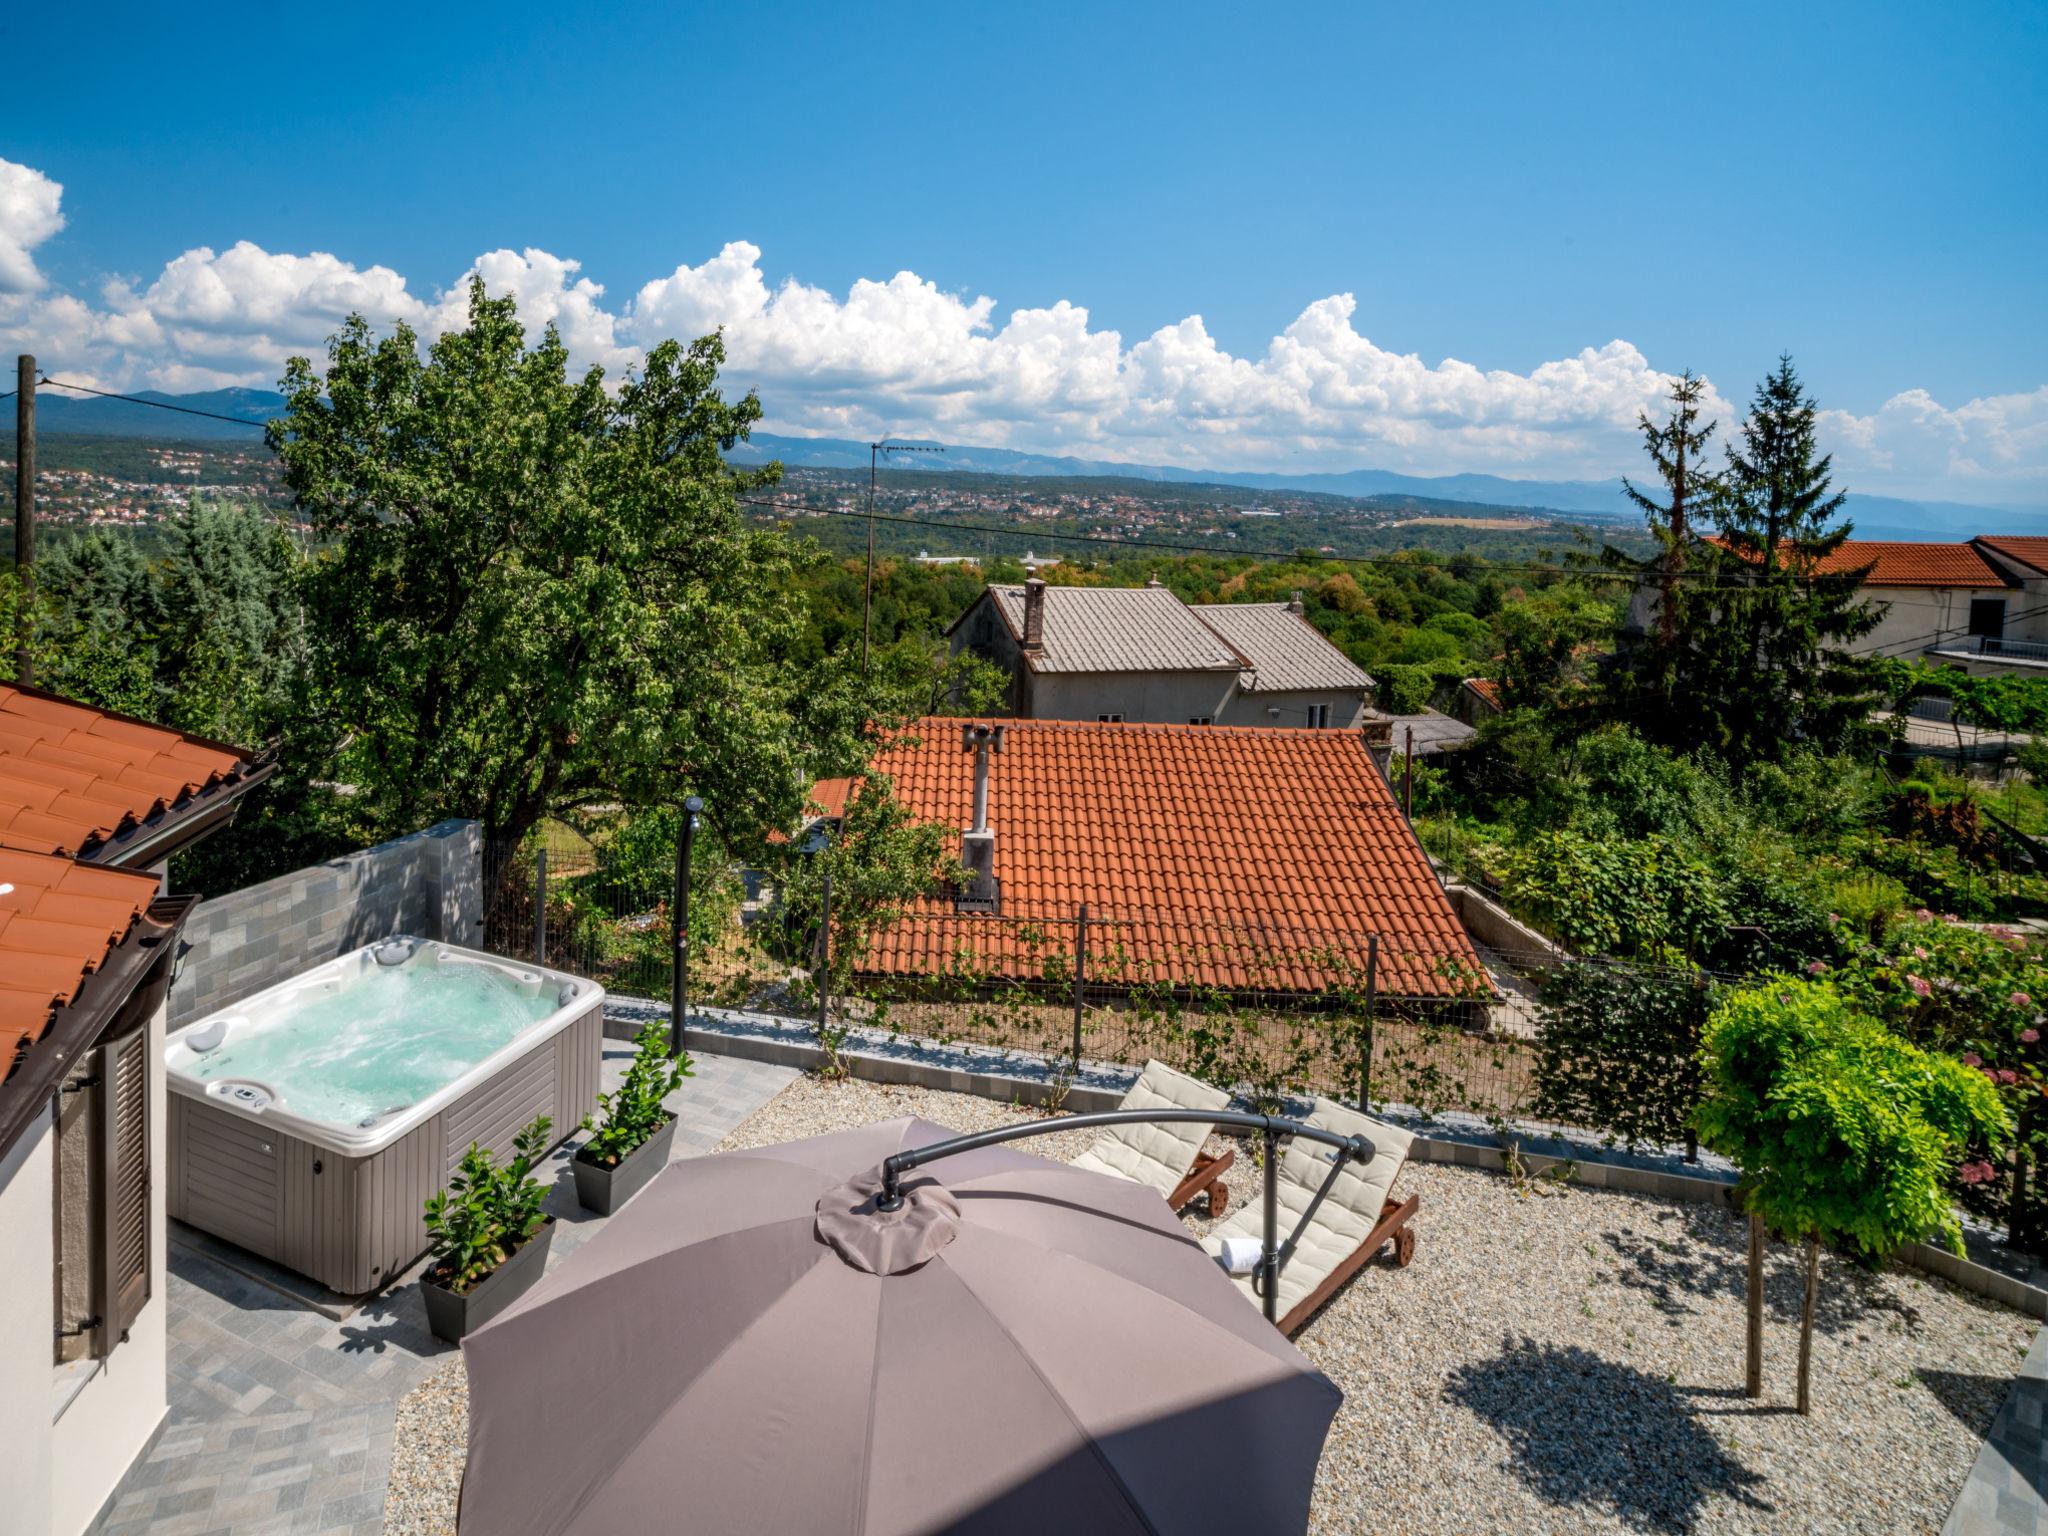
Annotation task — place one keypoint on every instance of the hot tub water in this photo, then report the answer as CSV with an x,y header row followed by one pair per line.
x,y
331,1051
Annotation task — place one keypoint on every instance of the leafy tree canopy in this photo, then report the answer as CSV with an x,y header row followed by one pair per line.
x,y
1843,1130
538,592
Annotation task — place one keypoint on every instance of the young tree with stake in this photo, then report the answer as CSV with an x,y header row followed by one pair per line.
x,y
1844,1133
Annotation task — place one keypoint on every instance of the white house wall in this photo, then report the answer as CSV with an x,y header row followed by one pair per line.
x,y
27,1238
1167,698
110,1421
1916,619
58,1474
1347,710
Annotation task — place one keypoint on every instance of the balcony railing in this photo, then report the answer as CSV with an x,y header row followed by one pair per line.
x,y
1996,647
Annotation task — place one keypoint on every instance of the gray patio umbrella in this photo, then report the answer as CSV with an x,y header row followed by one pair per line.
x,y
1021,1347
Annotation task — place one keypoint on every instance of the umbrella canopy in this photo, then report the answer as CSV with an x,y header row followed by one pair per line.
x,y
1021,1347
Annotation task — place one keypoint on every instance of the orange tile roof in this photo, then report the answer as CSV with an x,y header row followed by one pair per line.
x,y
58,921
73,777
1891,563
2025,549
1212,849
1487,689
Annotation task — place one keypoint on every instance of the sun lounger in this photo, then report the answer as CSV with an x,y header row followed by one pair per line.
x,y
1168,1158
1353,1223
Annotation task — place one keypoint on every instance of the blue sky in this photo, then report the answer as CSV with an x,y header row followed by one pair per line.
x,y
1508,186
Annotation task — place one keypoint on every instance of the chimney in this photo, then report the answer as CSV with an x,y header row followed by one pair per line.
x,y
1154,581
1034,615
1294,601
981,891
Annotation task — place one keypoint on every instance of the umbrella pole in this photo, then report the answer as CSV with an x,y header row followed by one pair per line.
x,y
1269,1261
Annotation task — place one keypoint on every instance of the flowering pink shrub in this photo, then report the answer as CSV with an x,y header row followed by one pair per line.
x,y
1969,991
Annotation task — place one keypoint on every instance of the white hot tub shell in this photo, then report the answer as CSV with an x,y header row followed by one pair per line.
x,y
344,1204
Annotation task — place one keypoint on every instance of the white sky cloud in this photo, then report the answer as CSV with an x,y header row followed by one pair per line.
x,y
30,212
903,355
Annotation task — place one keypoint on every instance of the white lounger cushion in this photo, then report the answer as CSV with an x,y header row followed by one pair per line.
x,y
1155,1155
1344,1219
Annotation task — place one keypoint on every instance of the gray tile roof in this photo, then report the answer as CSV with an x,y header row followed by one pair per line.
x,y
1434,730
1119,629
1287,653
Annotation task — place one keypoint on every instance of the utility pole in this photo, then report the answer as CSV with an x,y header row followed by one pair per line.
x,y
867,598
24,513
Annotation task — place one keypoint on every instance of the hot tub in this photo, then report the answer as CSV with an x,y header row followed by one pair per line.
x,y
310,1122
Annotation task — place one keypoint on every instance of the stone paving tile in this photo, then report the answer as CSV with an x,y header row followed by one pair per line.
x,y
2007,1491
281,1419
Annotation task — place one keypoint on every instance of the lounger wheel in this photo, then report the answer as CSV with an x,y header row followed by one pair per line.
x,y
1404,1247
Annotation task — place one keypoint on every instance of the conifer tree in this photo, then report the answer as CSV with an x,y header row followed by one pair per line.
x,y
1792,611
1649,677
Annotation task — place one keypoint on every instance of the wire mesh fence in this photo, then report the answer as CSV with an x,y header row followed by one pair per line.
x,y
1270,1007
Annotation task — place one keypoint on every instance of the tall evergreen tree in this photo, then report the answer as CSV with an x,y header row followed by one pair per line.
x,y
1793,610
1646,683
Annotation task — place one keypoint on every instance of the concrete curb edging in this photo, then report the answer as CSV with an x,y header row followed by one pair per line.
x,y
1021,1077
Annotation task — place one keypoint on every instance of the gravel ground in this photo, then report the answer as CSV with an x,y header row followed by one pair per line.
x,y
1568,1361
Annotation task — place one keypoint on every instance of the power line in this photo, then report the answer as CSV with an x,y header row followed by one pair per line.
x,y
1180,546
160,405
1943,634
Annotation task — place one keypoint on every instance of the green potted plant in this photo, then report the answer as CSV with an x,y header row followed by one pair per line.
x,y
631,1144
487,1236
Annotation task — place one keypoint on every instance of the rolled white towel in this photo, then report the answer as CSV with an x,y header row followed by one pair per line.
x,y
1241,1255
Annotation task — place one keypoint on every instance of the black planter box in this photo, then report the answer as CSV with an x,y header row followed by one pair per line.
x,y
604,1190
451,1314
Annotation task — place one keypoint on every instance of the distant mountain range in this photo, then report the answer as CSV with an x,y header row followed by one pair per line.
x,y
1876,517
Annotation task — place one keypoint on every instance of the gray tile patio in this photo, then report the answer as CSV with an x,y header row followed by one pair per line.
x,y
2007,1493
281,1419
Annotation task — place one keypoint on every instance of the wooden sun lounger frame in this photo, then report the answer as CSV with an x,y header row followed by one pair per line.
x,y
1395,1217
1207,1173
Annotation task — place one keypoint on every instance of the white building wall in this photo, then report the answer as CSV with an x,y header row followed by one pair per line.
x,y
1164,698
56,1474
110,1421
27,1314
1347,710
1919,619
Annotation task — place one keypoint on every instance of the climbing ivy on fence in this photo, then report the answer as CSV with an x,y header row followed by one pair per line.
x,y
1619,1050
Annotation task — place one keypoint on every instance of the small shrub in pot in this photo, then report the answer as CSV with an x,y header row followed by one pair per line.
x,y
487,1234
630,1143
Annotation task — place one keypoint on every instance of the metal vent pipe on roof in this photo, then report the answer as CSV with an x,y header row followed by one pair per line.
x,y
981,740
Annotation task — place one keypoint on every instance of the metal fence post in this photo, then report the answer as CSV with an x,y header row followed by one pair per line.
x,y
1372,976
540,907
1080,976
824,951
679,930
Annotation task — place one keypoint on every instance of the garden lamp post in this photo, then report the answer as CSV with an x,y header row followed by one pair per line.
x,y
679,928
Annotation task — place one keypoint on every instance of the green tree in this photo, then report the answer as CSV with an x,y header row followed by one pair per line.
x,y
538,592
1741,643
1787,616
878,861
1543,641
1843,1132
1653,674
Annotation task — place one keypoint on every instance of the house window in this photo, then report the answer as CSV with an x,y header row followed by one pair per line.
x,y
1109,719
1318,717
103,1197
1987,617
1201,719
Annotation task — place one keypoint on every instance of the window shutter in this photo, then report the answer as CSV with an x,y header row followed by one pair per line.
x,y
124,1204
